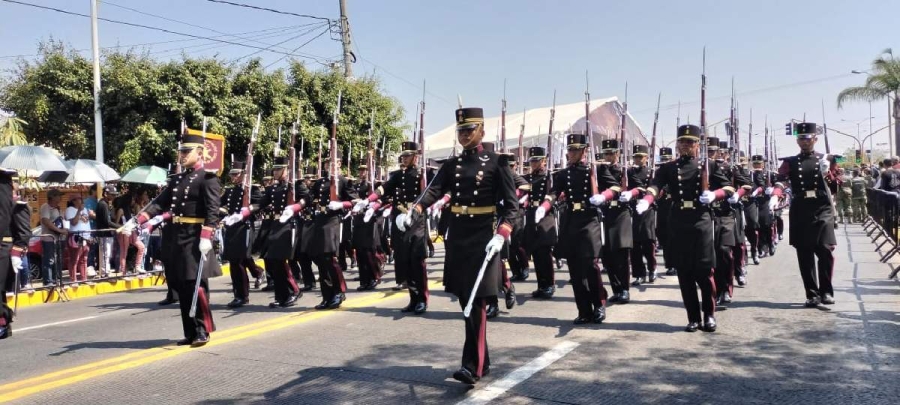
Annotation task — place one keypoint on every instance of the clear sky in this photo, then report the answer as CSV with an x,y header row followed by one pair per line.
x,y
785,56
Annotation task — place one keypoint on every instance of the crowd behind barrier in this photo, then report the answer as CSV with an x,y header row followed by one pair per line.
x,y
883,223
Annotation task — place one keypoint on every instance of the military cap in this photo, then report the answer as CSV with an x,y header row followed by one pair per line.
x,y
409,148
468,118
576,141
757,158
280,162
805,130
689,132
536,153
712,143
310,172
723,144
237,167
640,150
665,152
609,145
191,141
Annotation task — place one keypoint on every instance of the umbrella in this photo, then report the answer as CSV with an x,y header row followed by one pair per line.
x,y
30,158
89,171
146,175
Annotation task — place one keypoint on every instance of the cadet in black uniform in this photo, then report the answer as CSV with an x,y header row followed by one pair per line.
x,y
479,189
260,244
409,246
518,260
663,209
691,225
367,237
618,239
580,229
643,226
540,236
15,217
812,219
752,205
238,236
724,232
741,172
282,236
303,263
192,199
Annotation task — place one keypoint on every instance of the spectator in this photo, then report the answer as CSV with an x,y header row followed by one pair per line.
x,y
90,203
124,213
77,242
104,224
890,177
51,232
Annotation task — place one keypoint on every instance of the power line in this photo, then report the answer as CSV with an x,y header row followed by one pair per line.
x,y
152,28
272,10
302,34
327,29
214,45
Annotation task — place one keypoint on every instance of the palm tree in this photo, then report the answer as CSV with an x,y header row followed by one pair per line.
x,y
883,81
11,131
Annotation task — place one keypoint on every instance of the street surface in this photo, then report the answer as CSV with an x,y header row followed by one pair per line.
x,y
769,349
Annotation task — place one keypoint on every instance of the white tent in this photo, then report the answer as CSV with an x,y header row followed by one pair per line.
x,y
605,118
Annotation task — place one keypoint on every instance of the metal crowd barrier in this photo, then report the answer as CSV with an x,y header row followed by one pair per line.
x,y
883,223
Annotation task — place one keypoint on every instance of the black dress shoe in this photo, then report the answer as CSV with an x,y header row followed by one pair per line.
x,y
719,300
237,303
827,299
525,274
812,302
465,376
511,297
652,278
709,324
322,305
692,327
742,280
335,302
257,283
539,293
363,287
614,299
430,252
308,287
671,272
274,304
409,308
5,331
726,297
167,301
201,340
268,287
184,342
390,259
624,297
558,264
420,308
581,320
780,237
636,282
517,277
492,311
599,315
291,301
755,260
399,287
772,251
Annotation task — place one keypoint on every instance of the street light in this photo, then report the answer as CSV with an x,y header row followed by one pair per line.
x,y
862,144
890,137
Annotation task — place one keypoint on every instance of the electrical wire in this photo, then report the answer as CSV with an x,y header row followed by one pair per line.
x,y
302,34
272,10
301,46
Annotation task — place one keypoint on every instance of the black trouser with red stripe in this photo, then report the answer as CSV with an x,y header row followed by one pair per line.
x,y
240,282
616,261
369,261
809,269
409,261
302,269
766,243
475,356
752,237
204,318
587,284
688,280
543,266
283,278
739,254
724,273
331,277
643,250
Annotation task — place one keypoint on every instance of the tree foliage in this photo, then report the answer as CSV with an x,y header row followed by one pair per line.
x,y
143,102
882,81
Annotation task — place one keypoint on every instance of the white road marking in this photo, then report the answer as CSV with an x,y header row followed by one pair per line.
x,y
18,330
518,375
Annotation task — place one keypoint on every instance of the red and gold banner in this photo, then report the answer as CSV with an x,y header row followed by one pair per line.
x,y
215,147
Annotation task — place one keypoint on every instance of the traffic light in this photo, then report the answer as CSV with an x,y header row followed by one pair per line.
x,y
858,156
789,128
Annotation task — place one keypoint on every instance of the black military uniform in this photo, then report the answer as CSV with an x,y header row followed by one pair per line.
x,y
691,228
766,244
15,230
752,203
618,239
192,198
811,217
540,237
327,236
664,204
479,189
741,178
409,247
724,233
303,263
518,259
367,240
581,230
282,238
238,240
643,226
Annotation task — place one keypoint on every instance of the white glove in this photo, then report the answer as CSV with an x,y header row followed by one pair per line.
x,y
754,193
773,203
824,164
287,214
495,245
523,200
707,197
539,214
625,196
155,221
769,190
335,205
368,216
358,207
642,206
734,198
598,199
438,205
387,212
16,263
205,246
128,228
400,221
233,219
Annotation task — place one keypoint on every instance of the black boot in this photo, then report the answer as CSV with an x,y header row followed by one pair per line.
x,y
511,296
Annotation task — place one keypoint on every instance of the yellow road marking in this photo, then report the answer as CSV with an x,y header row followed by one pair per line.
x,y
50,381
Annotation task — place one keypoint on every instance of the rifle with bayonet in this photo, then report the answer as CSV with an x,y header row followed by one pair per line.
x,y
622,160
704,139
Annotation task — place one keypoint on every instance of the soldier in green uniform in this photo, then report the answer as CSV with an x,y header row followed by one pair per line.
x,y
844,200
858,193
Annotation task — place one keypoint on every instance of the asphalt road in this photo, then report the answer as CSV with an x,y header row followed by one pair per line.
x,y
119,348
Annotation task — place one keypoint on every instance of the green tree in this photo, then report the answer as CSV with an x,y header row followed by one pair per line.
x,y
883,81
11,131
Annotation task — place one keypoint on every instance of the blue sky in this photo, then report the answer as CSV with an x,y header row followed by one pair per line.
x,y
785,56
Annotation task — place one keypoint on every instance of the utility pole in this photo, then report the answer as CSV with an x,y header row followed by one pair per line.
x,y
98,121
345,40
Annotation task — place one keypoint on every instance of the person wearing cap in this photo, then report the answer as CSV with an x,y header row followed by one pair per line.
x,y
691,223
765,178
754,204
614,202
478,186
724,222
302,264
664,205
580,229
105,228
811,217
540,236
191,202
643,229
746,211
15,230
410,248
518,260
237,235
260,242
366,241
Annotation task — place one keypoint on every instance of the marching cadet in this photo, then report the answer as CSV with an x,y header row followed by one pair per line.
x,y
580,229
643,226
282,237
724,226
237,236
260,244
540,237
766,244
479,189
811,224
663,208
691,224
367,238
741,179
302,263
409,246
15,218
518,260
191,199
753,206
617,221
507,288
